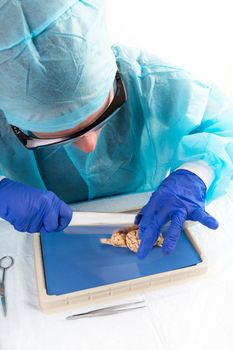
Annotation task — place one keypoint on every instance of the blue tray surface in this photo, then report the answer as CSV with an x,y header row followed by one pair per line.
x,y
76,260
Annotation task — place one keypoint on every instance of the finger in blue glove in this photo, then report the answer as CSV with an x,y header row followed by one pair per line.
x,y
180,197
31,209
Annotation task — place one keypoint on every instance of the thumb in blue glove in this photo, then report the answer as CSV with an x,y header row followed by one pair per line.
x,y
180,197
30,209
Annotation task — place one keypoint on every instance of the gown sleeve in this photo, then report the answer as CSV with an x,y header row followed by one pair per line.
x,y
201,169
211,141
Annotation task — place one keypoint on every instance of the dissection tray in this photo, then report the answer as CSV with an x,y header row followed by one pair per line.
x,y
74,268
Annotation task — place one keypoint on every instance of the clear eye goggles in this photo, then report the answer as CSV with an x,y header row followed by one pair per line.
x,y
31,142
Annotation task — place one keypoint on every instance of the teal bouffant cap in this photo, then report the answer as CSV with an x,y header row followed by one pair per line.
x,y
56,64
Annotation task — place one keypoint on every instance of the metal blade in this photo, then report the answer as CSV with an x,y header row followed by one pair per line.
x,y
3,301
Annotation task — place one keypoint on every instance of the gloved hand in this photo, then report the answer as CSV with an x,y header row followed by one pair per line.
x,y
30,209
180,197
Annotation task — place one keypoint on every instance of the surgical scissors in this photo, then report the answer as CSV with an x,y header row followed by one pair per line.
x,y
5,263
116,309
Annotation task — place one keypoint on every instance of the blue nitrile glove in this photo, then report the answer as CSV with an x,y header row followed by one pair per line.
x,y
180,197
30,209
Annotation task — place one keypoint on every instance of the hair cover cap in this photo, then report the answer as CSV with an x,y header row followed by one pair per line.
x,y
56,64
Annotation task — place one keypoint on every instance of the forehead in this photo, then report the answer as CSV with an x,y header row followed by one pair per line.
x,y
89,120
78,127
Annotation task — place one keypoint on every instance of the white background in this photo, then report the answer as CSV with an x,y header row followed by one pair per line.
x,y
197,35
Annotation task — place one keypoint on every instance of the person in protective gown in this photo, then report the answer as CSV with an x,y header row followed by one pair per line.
x,y
80,120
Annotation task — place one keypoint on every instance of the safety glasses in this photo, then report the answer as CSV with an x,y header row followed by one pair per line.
x,y
31,142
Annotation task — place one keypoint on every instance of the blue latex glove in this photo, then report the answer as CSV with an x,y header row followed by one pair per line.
x,y
30,209
180,197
